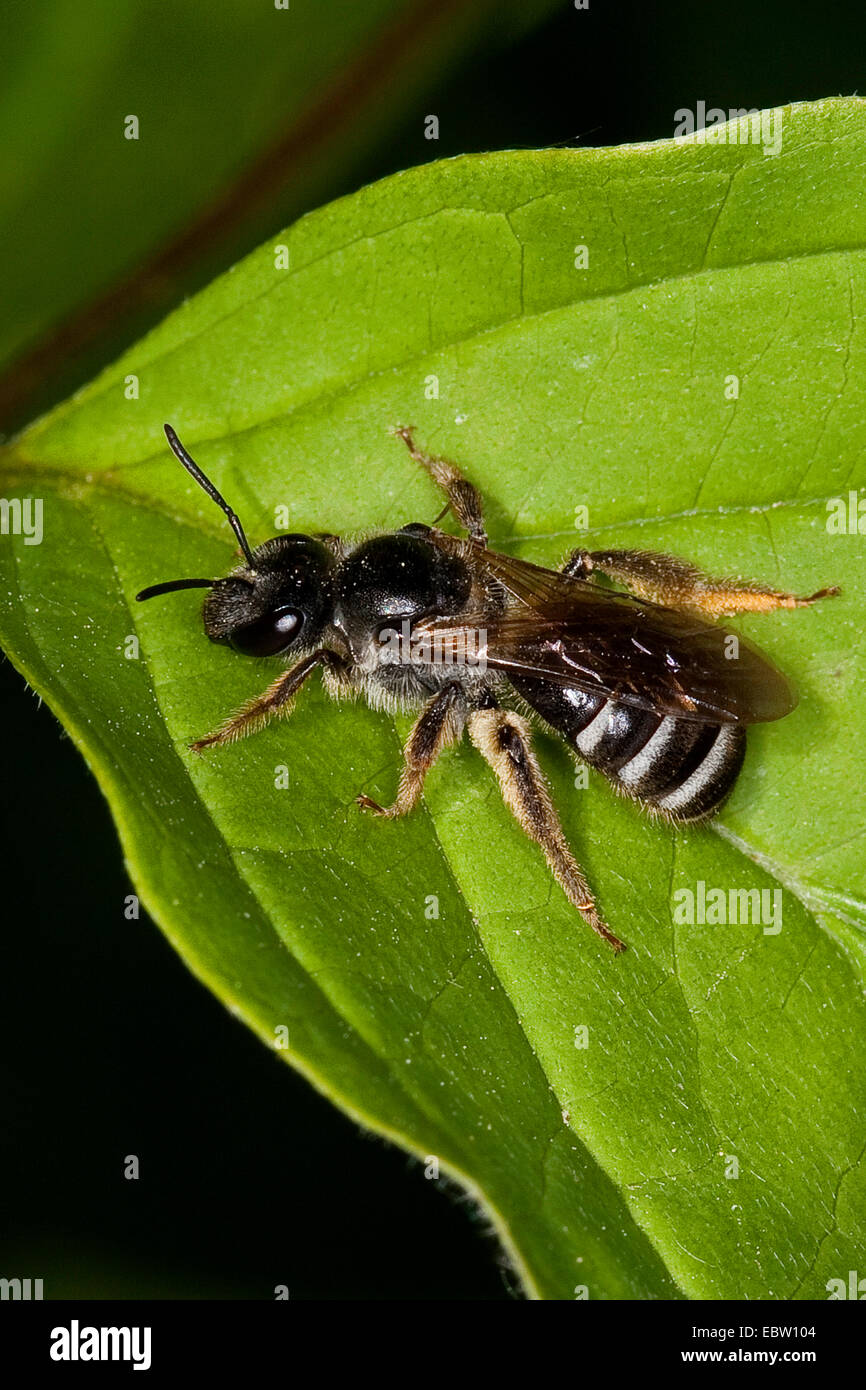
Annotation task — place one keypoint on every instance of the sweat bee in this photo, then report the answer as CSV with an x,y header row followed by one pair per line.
x,y
642,685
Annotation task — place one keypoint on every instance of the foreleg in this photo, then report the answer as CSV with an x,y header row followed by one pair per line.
x,y
277,699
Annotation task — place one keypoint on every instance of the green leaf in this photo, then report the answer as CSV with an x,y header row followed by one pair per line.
x,y
247,115
712,1049
185,81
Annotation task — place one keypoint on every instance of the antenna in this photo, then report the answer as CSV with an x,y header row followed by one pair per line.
x,y
207,486
171,585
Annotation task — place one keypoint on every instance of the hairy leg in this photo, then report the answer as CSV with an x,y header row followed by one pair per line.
x,y
277,699
677,584
504,738
440,723
463,499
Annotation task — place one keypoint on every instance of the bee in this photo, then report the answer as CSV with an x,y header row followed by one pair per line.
x,y
639,681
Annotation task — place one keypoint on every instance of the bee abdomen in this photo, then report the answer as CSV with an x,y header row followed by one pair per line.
x,y
680,767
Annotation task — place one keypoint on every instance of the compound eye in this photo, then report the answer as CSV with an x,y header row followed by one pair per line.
x,y
268,635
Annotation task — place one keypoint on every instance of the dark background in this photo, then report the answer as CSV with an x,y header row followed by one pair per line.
x,y
110,1047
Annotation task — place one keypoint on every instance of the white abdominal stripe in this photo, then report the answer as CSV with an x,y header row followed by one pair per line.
x,y
590,737
710,774
678,766
635,771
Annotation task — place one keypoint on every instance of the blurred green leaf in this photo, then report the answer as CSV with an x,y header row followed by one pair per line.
x,y
610,1166
247,116
209,83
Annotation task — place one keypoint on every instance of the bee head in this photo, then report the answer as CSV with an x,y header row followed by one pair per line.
x,y
279,601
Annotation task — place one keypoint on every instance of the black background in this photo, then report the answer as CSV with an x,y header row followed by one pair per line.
x,y
248,1178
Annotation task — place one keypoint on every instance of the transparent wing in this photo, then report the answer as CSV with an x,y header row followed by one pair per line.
x,y
579,634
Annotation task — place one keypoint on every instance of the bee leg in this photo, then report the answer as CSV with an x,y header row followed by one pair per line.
x,y
463,499
277,699
440,723
679,584
504,738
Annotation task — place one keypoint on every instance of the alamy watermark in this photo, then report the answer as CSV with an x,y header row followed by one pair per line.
x,y
737,126
731,907
854,1287
20,1289
22,518
465,646
77,1343
846,516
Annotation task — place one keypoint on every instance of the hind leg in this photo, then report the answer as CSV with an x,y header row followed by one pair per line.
x,y
504,739
676,583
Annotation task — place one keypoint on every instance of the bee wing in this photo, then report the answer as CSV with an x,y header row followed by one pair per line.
x,y
578,634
